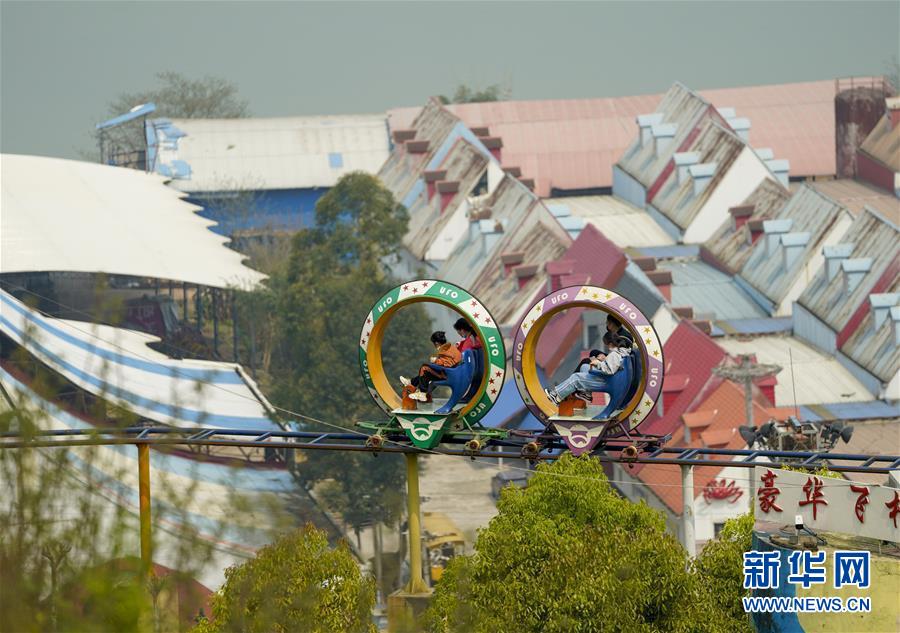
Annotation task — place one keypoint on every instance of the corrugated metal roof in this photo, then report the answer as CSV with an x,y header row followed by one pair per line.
x,y
624,223
883,144
573,143
874,348
73,216
670,252
851,411
680,107
276,153
808,211
402,170
854,195
870,438
464,164
818,377
726,411
712,294
528,228
732,248
690,352
871,236
718,148
752,326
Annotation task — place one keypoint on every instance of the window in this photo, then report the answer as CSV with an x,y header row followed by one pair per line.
x,y
717,527
336,160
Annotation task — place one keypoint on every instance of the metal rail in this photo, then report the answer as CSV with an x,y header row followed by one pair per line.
x,y
547,447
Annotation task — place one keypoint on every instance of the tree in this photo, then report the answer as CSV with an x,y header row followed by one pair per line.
x,y
567,554
720,580
466,94
335,274
176,96
179,97
296,584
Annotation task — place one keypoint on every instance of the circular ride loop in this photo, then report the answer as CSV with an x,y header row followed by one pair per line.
x,y
632,390
475,383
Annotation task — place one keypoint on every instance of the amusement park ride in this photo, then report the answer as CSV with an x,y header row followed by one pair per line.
x,y
454,425
476,382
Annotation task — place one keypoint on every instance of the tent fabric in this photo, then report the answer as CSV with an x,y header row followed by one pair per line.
x,y
72,216
116,365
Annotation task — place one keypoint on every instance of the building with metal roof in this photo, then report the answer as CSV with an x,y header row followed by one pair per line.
x,y
878,159
689,163
807,375
713,295
730,246
571,145
788,252
264,173
624,223
72,216
501,258
855,195
712,423
849,309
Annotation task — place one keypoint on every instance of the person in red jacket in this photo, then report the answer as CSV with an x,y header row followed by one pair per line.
x,y
445,354
467,333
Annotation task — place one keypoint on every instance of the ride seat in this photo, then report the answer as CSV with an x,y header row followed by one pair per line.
x,y
458,378
617,386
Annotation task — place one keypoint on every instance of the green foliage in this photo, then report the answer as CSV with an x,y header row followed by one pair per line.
x,y
317,306
822,471
180,97
719,573
567,554
466,94
296,584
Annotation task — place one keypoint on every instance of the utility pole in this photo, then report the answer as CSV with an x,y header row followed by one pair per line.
x,y
745,372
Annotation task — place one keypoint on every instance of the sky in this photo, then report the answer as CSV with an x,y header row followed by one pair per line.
x,y
62,63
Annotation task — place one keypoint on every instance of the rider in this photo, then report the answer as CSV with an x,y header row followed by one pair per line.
x,y
446,355
466,332
601,367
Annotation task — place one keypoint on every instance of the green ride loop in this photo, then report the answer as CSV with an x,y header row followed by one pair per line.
x,y
426,427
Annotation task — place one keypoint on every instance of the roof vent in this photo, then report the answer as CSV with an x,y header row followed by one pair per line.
x,y
780,167
491,234
645,122
774,229
726,113
741,127
834,255
417,147
854,271
524,273
794,244
701,175
510,260
881,306
663,134
557,270
740,215
755,226
765,153
683,161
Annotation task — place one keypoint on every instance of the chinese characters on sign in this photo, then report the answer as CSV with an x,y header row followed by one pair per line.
x,y
827,503
806,568
768,493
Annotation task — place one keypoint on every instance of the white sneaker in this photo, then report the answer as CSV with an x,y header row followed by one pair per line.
x,y
418,395
405,381
551,395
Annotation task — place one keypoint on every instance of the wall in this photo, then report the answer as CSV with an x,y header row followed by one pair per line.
x,y
856,112
275,209
627,188
874,172
706,515
742,178
809,328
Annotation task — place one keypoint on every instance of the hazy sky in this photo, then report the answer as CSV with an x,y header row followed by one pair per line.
x,y
61,63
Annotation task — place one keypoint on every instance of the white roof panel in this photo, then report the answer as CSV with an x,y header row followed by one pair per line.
x,y
622,223
72,216
276,153
819,377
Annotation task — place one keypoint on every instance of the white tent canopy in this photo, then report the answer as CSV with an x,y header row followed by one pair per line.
x,y
116,365
72,216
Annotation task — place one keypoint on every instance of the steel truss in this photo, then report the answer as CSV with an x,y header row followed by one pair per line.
x,y
639,450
